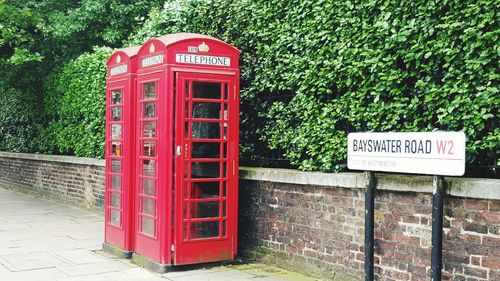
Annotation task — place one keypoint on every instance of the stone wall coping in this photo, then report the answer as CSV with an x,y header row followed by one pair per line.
x,y
55,158
478,188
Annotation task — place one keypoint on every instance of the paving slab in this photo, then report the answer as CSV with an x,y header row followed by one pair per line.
x,y
93,268
48,274
23,262
42,240
79,256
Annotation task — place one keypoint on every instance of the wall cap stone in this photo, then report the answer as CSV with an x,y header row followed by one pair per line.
x,y
55,158
477,188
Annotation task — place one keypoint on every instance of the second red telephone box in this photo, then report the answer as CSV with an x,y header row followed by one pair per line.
x,y
187,116
119,191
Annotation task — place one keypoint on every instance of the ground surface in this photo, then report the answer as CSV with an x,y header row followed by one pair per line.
x,y
46,241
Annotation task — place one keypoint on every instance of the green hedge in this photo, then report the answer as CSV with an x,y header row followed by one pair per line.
x,y
18,131
354,66
313,71
74,105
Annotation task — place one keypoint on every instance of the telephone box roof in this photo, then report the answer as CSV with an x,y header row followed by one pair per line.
x,y
131,51
170,39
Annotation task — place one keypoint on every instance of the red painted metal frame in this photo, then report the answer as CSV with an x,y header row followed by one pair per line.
x,y
158,247
120,235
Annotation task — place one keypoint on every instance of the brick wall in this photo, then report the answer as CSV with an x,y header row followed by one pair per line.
x,y
315,222
74,180
320,228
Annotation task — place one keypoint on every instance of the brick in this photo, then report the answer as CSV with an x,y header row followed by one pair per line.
x,y
491,241
490,262
472,204
410,219
494,274
474,249
475,227
494,206
490,217
476,272
474,260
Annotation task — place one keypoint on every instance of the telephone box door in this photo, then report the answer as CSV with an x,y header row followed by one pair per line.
x,y
149,236
206,160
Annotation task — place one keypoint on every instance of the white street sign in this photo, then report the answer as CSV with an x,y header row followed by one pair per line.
x,y
433,153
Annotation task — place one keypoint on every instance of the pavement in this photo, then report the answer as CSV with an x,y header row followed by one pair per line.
x,y
42,240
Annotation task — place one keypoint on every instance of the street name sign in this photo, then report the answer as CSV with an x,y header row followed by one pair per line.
x,y
433,153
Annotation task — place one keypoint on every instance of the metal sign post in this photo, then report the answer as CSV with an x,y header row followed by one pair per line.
x,y
437,228
369,224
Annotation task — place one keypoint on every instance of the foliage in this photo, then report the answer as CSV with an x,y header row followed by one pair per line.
x,y
75,105
97,22
17,27
382,66
17,130
350,66
311,71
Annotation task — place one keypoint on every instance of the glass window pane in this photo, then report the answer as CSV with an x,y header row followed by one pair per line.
x,y
205,229
204,209
148,186
116,182
149,90
205,130
148,206
149,110
147,226
116,165
206,90
149,148
116,97
224,189
116,148
224,206
115,199
226,90
184,230
205,190
116,113
205,170
148,167
149,129
224,228
116,131
205,150
206,110
115,217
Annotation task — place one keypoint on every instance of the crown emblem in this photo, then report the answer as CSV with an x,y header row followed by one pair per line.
x,y
203,47
118,59
152,48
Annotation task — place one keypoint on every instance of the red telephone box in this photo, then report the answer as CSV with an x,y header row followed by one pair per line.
x,y
187,114
119,199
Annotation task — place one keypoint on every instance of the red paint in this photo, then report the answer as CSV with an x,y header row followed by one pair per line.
x,y
119,195
191,107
